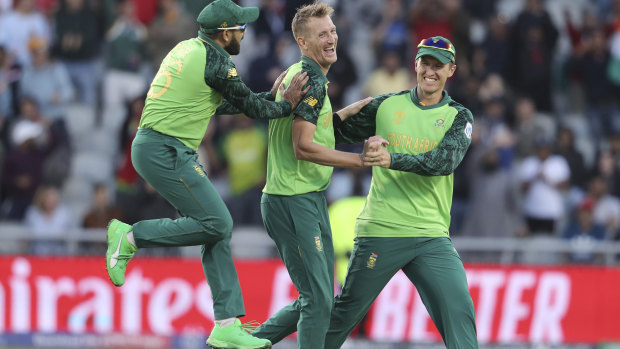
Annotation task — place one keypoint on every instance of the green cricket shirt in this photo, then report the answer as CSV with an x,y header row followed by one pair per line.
x,y
413,197
196,80
285,174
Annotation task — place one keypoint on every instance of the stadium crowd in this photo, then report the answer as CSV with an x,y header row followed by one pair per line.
x,y
542,79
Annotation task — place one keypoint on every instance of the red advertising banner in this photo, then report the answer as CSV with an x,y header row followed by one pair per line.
x,y
166,296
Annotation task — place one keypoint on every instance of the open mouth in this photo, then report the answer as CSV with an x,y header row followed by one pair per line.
x,y
330,50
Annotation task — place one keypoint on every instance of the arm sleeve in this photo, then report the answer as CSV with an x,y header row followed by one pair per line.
x,y
226,81
442,160
358,127
311,103
226,108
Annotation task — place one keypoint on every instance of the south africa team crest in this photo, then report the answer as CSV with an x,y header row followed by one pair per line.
x,y
317,242
372,261
199,170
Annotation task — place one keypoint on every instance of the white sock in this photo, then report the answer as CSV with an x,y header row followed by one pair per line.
x,y
225,322
130,239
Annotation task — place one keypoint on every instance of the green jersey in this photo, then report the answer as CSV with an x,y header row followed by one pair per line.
x,y
195,81
285,174
413,197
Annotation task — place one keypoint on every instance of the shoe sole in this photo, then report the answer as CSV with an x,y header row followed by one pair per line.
x,y
223,345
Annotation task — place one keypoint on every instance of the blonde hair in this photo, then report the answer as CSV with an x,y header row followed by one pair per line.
x,y
316,9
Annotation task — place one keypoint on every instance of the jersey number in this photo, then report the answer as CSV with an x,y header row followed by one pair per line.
x,y
163,72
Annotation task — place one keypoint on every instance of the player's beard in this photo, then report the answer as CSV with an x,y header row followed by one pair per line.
x,y
233,47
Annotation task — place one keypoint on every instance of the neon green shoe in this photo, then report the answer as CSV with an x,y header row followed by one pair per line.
x,y
235,336
120,251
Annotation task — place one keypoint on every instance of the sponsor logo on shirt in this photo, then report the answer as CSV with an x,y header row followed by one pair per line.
x,y
317,242
468,130
232,72
311,101
440,123
372,261
398,117
199,170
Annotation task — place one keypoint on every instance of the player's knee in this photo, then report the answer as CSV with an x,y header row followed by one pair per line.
x,y
221,227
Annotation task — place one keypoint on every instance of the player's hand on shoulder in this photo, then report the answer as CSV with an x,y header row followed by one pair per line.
x,y
353,108
295,90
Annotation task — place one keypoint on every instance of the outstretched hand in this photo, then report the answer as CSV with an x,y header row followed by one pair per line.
x,y
353,108
295,90
375,153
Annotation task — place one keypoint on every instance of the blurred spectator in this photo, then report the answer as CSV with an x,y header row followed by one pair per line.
x,y
245,152
584,234
543,179
171,26
21,25
391,76
606,207
7,77
532,45
102,209
47,81
530,126
565,146
588,64
266,68
444,18
22,171
391,33
124,59
493,51
494,206
48,218
270,23
341,76
54,139
77,45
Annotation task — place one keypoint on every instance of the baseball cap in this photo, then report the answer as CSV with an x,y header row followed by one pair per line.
x,y
438,47
223,14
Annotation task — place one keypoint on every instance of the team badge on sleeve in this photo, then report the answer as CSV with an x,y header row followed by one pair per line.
x,y
468,130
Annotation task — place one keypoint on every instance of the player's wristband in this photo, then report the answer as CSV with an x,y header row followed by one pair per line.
x,y
337,121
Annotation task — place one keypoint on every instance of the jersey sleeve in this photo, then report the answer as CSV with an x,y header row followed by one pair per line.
x,y
361,126
444,159
311,103
226,81
227,108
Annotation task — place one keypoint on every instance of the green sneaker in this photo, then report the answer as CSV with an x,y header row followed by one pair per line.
x,y
235,336
120,251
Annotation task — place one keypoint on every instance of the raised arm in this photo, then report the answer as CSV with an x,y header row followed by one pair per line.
x,y
237,94
360,126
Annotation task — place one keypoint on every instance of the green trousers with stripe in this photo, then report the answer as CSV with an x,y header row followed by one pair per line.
x,y
300,227
174,171
434,268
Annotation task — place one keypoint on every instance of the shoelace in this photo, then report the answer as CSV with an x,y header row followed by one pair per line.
x,y
250,326
124,256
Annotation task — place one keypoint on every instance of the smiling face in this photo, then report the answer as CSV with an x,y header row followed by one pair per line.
x,y
319,41
432,76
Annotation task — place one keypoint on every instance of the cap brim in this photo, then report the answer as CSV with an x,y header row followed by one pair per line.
x,y
443,56
248,14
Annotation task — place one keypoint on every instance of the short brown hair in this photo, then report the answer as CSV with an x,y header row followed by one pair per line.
x,y
316,9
